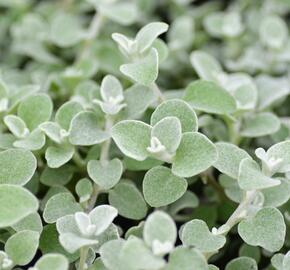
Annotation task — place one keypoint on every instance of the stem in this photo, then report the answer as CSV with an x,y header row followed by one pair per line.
x,y
83,257
233,132
158,93
78,160
93,198
94,30
104,159
208,178
239,214
105,148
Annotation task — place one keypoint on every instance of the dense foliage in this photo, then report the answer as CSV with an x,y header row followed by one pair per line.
x,y
144,135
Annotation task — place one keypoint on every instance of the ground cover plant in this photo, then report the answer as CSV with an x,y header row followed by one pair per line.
x,y
144,135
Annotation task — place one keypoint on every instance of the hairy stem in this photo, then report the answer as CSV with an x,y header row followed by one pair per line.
x,y
83,257
242,209
105,148
93,32
78,160
104,158
234,136
239,214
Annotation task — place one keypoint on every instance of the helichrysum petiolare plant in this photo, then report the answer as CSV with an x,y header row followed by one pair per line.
x,y
144,135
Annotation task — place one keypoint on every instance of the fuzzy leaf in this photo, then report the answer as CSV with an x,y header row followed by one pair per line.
x,y
138,98
16,166
111,88
195,154
179,109
106,175
160,232
251,177
16,204
84,189
278,195
56,156
261,124
146,36
34,141
229,158
22,246
209,97
16,125
196,234
206,66
266,229
60,205
128,200
35,110
65,30
242,263
66,112
161,187
273,32
281,151
168,131
52,261
84,130
136,248
186,259
102,216
52,130
144,71
132,138
123,13
31,222
56,176
110,254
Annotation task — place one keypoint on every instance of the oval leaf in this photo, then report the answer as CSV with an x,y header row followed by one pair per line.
x,y
209,97
161,187
16,166
16,204
195,154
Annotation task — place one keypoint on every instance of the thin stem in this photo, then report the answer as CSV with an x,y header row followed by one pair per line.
x,y
83,257
208,178
233,133
239,214
104,159
242,209
94,30
78,160
158,93
93,199
105,148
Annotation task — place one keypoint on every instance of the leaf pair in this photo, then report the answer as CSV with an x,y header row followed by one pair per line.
x,y
112,96
159,238
82,229
138,140
32,112
145,70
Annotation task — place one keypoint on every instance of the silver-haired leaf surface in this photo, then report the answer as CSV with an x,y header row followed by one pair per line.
x,y
16,166
266,229
16,204
195,154
161,187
